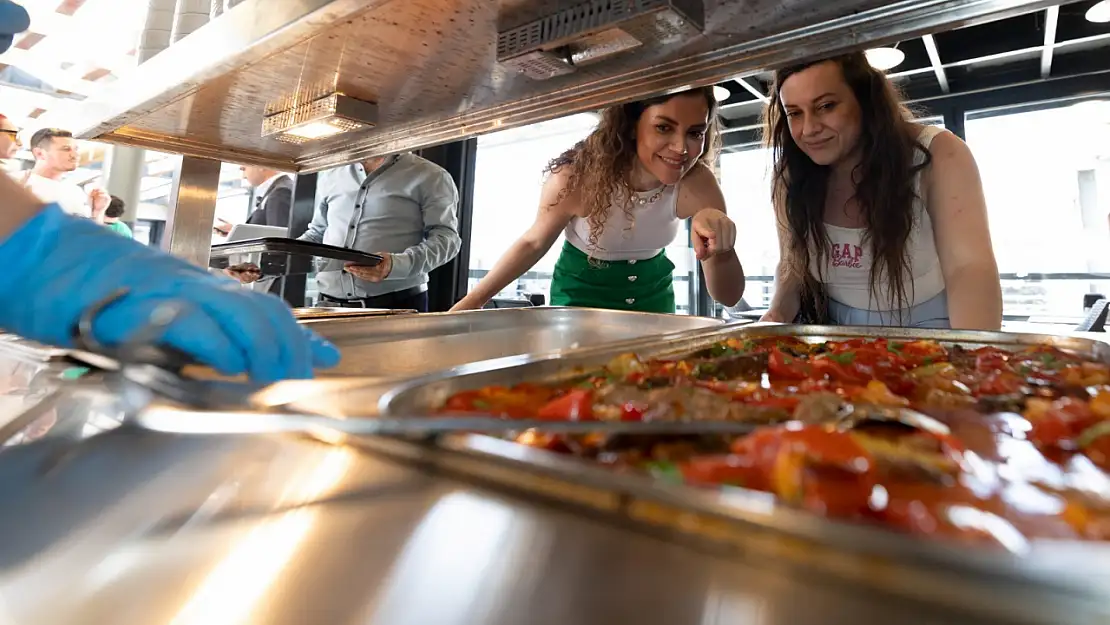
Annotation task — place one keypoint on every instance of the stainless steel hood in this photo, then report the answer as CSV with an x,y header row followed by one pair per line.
x,y
431,67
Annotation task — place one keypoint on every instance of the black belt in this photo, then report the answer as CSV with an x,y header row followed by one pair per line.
x,y
386,300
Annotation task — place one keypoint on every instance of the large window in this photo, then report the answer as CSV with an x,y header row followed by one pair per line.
x,y
232,203
508,180
745,181
1046,175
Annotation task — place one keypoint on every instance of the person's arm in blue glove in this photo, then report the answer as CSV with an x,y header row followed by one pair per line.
x,y
57,266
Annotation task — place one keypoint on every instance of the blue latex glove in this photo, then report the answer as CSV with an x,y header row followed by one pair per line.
x,y
13,20
56,266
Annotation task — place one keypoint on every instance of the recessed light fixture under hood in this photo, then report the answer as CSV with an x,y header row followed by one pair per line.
x,y
317,113
1099,13
884,59
593,30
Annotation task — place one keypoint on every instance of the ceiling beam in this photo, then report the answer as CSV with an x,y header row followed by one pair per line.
x,y
754,90
44,69
742,127
1071,44
1052,19
1003,96
934,60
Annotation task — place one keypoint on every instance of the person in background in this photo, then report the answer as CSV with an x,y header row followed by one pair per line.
x,y
56,154
9,138
620,196
112,216
273,199
231,329
402,207
881,221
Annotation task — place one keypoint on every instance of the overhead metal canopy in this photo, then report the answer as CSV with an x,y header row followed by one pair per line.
x,y
431,67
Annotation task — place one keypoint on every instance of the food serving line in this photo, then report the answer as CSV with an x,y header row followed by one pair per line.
x,y
325,527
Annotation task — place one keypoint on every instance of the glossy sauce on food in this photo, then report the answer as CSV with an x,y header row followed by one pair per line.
x,y
980,445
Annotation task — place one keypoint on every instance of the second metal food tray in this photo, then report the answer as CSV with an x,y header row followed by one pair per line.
x,y
405,346
1053,583
320,313
278,256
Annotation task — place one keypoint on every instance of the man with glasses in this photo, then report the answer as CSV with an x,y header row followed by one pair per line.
x,y
9,139
56,154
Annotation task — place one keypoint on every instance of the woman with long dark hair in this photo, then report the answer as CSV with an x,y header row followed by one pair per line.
x,y
619,195
882,221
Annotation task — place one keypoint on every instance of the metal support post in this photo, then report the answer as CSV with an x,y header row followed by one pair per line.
x,y
189,227
124,178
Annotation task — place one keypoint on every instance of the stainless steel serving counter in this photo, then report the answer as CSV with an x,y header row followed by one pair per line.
x,y
104,523
408,345
32,401
134,528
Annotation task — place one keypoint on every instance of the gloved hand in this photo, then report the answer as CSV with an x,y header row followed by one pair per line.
x,y
13,20
57,266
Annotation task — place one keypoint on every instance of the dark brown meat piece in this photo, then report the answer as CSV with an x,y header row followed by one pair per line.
x,y
740,366
1002,403
821,407
687,403
961,358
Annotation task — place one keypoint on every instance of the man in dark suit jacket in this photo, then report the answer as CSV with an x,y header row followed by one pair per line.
x,y
273,197
273,201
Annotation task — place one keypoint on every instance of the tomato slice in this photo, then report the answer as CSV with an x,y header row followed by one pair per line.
x,y
1000,383
814,466
731,469
1058,423
466,401
577,405
784,366
826,366
633,411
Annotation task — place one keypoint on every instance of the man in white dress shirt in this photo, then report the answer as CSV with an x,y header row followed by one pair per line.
x,y
56,154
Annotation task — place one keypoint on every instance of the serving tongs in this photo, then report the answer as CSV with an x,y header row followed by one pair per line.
x,y
143,371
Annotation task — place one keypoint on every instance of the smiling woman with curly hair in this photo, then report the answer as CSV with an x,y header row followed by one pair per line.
x,y
619,195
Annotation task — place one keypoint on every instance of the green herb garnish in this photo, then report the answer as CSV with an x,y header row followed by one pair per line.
x,y
665,471
704,370
722,349
1090,434
844,358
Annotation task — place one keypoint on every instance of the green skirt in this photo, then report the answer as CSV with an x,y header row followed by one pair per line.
x,y
642,286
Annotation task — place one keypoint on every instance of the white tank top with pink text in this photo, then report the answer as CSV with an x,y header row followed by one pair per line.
x,y
847,268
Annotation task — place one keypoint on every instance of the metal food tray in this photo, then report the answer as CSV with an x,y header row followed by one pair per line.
x,y
405,346
318,313
278,256
15,346
1055,582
